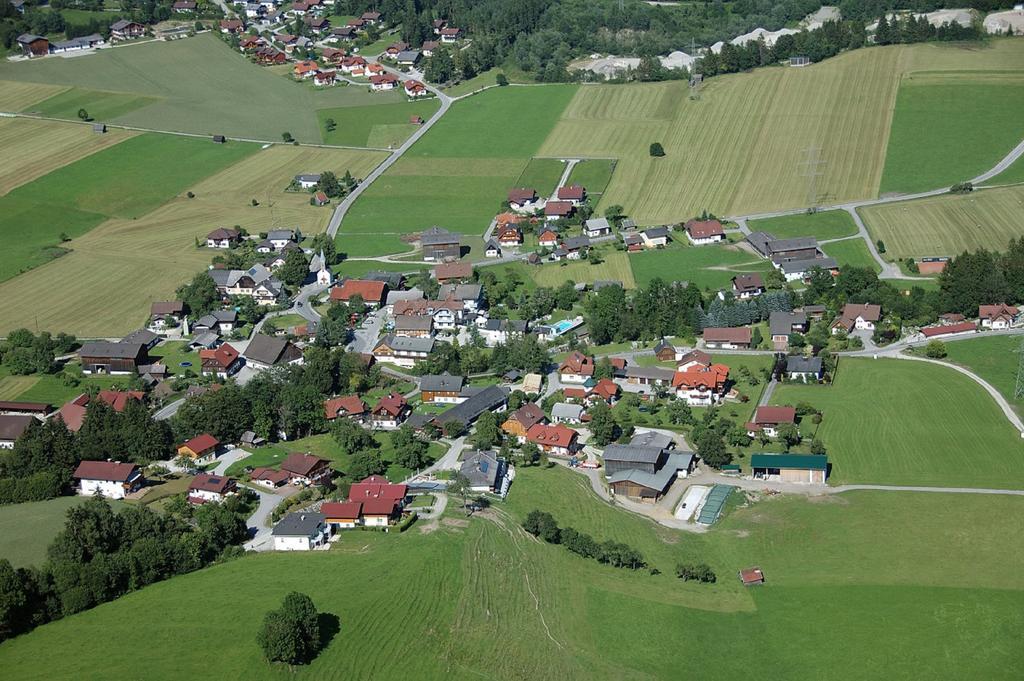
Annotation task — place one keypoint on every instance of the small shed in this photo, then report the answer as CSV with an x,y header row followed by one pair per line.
x,y
752,576
799,60
220,139
99,128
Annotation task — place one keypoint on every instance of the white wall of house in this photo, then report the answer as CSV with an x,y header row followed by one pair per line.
x,y
106,488
864,325
704,241
375,520
572,378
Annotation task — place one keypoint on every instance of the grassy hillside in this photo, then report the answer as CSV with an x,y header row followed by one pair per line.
x,y
994,358
197,85
947,224
947,431
26,530
478,598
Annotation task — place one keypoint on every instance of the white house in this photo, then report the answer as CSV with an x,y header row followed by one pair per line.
x,y
110,479
654,237
595,227
206,488
565,412
301,532
998,317
524,200
703,232
402,350
856,316
279,238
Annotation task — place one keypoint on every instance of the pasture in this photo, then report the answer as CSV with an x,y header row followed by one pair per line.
x,y
704,266
852,253
477,597
34,148
16,96
200,85
829,224
101,106
950,127
594,175
1012,175
458,175
541,174
615,266
947,224
377,125
993,358
119,181
26,530
947,432
126,262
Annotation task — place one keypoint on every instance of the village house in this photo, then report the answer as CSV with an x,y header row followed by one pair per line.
x,y
860,317
76,44
221,362
341,515
33,45
110,479
576,368
492,249
801,270
493,398
231,26
105,357
333,56
547,237
264,352
390,412
746,286
302,531
574,194
701,386
350,64
411,58
573,248
124,29
510,235
807,468
453,272
470,296
349,406
72,413
382,82
372,293
781,325
566,412
268,56
768,419
520,421
443,389
223,237
269,477
805,369
251,42
500,331
647,376
306,469
777,250
324,79
371,18
317,25
402,351
438,25
206,488
440,245
13,426
164,315
415,326
143,337
558,210
997,317
595,227
703,232
218,321
728,338
487,473
200,449
557,439
523,199
450,35
654,237
606,390
414,88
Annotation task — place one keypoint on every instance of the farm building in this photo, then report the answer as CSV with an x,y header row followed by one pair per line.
x,y
13,426
440,245
807,468
105,357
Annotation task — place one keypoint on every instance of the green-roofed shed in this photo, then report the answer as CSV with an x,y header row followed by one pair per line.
x,y
790,467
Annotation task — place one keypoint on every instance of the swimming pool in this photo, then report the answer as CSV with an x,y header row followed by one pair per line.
x,y
563,326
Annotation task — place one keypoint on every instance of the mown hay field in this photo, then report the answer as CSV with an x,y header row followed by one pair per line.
x,y
477,597
375,125
16,96
106,284
851,253
703,266
33,148
948,224
614,266
995,359
200,85
829,224
947,431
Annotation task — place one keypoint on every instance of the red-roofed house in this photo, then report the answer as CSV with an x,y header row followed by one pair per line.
x,y
350,406
574,194
305,69
73,412
377,487
379,512
205,488
701,386
200,448
523,199
268,477
350,64
231,26
110,479
702,232
606,390
556,439
382,82
342,514
556,210
373,293
390,412
547,238
451,272
510,234
221,361
305,469
325,79
450,35
414,88
948,329
768,419
1000,316
729,338
576,368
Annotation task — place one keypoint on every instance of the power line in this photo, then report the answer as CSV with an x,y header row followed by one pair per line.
x,y
813,168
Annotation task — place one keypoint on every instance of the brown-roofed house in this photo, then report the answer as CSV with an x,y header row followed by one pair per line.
x,y
13,426
730,338
522,198
521,420
110,479
306,469
1000,316
203,446
702,232
768,419
207,487
576,368
557,439
745,286
573,193
348,406
451,272
373,293
857,316
221,361
555,210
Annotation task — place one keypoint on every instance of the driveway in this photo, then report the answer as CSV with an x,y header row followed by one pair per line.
x,y
259,522
229,458
365,336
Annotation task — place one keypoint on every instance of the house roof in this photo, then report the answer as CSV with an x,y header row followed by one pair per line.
x,y
406,344
945,329
460,292
350,404
167,307
204,482
12,426
704,229
790,461
557,435
576,243
117,399
376,487
1001,310
528,415
391,404
111,471
301,464
109,350
35,407
482,469
341,510
572,192
567,410
558,208
803,365
747,282
696,356
270,350
522,195
202,443
379,507
270,475
578,363
487,399
866,311
782,323
655,232
441,383
598,224
453,270
711,378
650,373
774,415
303,524
656,481
632,453
605,389
413,322
734,334
437,236
651,438
801,266
140,336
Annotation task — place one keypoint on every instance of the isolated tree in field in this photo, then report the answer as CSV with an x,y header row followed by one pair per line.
x,y
936,349
83,114
330,124
291,634
501,80
287,137
657,150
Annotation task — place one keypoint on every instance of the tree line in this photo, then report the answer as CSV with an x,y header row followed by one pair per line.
x,y
101,555
543,525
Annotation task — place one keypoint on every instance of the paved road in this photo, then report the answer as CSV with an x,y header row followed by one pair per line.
x,y
365,336
259,522
169,410
766,396
450,460
229,458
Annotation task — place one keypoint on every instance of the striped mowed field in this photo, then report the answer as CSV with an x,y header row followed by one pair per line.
x,y
105,285
948,224
17,96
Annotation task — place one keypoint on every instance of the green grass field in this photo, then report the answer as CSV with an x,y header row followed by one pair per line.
x,y
993,358
377,125
851,253
948,128
594,175
705,266
120,181
829,224
541,174
198,85
26,530
1012,175
947,224
615,267
459,173
479,598
947,432
101,106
